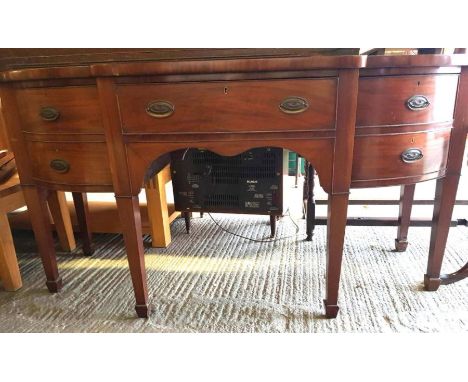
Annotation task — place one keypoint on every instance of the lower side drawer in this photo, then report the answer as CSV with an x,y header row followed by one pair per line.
x,y
390,159
70,163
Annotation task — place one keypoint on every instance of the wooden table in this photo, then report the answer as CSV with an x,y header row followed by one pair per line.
x,y
360,121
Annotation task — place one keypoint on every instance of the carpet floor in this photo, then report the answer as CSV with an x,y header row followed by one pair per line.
x,y
230,284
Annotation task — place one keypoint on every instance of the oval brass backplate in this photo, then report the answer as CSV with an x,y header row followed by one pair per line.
x,y
417,102
411,155
294,105
60,165
160,109
49,113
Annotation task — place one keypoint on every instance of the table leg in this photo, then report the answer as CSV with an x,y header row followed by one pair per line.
x,y
298,170
310,211
36,201
404,216
336,225
130,219
446,190
82,216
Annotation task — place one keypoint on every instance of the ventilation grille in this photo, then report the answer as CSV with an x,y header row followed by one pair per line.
x,y
222,200
208,157
230,170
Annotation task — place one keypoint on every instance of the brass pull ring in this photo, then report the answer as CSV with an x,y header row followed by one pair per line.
x,y
294,105
160,109
60,165
417,102
49,114
411,155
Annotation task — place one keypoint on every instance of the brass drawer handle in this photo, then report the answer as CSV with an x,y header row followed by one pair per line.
x,y
160,109
294,105
60,165
417,102
49,114
411,155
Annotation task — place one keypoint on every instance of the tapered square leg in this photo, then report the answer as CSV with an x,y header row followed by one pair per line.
x,y
54,286
82,215
331,311
446,190
337,215
36,201
431,284
130,219
404,216
310,209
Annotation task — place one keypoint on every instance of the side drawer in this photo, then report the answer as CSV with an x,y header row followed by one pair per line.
x,y
406,99
387,157
60,110
273,105
70,163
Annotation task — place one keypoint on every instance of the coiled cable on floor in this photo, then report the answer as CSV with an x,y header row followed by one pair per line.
x,y
287,213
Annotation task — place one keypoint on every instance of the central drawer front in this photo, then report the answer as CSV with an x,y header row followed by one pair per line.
x,y
274,105
404,100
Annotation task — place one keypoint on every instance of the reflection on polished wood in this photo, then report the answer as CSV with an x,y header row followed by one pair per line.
x,y
359,121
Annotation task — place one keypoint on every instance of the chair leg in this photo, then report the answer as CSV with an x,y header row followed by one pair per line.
x,y
158,212
61,216
404,216
36,201
82,215
9,270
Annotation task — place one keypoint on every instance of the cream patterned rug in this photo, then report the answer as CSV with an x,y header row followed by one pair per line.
x,y
229,284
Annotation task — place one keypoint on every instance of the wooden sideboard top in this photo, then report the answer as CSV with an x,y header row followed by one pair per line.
x,y
15,58
40,64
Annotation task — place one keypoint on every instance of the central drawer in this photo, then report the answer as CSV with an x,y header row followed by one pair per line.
x,y
234,106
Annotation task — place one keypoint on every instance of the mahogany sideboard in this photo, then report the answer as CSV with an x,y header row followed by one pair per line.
x,y
360,121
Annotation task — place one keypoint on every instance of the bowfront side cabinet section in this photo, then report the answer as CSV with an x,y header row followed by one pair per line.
x,y
360,122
